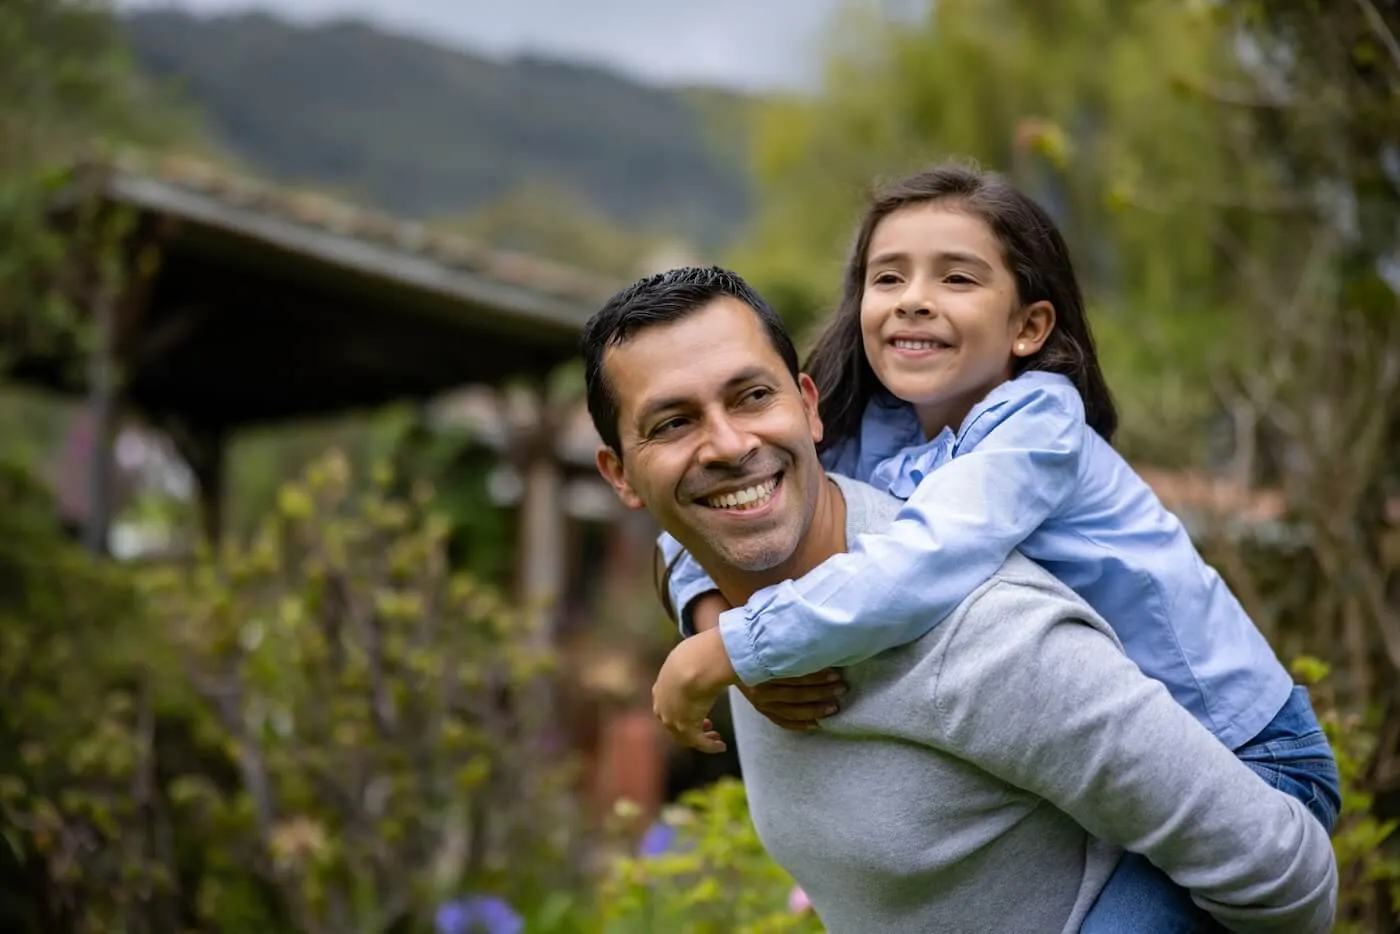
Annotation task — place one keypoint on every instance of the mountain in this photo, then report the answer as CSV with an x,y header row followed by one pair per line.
x,y
425,131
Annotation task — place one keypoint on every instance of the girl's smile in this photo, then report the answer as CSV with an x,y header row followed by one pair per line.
x,y
940,316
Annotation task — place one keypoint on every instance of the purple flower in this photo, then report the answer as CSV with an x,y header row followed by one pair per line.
x,y
480,914
659,838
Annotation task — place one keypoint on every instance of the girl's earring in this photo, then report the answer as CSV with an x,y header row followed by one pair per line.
x,y
1020,347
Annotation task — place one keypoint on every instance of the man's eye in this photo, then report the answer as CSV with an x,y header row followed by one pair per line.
x,y
757,395
670,425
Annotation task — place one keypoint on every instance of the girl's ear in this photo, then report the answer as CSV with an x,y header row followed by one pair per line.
x,y
1032,327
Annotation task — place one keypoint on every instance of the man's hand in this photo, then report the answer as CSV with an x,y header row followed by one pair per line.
x,y
798,703
687,686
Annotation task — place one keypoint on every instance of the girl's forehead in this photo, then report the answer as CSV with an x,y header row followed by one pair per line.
x,y
929,228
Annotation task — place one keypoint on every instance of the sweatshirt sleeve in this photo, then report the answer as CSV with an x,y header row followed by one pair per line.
x,y
954,532
1036,693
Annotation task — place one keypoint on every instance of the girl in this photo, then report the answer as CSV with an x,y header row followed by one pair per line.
x,y
960,374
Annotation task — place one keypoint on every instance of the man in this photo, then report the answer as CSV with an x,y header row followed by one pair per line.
x,y
971,776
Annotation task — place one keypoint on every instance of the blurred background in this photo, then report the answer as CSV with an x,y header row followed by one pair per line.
x,y
314,616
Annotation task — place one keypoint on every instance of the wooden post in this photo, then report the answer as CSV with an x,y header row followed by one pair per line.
x,y
211,486
543,535
102,402
204,449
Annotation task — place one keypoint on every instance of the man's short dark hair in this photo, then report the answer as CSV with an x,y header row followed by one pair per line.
x,y
662,299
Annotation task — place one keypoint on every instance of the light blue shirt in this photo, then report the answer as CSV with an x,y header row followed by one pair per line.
x,y
1025,472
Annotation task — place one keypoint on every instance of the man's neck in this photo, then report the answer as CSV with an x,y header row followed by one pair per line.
x,y
826,536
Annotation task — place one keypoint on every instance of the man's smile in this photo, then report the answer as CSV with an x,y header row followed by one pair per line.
x,y
750,498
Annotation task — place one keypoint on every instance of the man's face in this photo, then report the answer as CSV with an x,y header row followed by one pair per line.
x,y
718,441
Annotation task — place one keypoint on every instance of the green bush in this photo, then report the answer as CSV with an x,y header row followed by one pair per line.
x,y
78,815
328,729
386,717
714,877
1369,870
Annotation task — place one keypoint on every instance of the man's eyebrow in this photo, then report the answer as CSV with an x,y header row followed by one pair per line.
x,y
665,403
946,256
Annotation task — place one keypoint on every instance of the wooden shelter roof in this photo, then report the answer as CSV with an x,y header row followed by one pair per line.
x,y
268,303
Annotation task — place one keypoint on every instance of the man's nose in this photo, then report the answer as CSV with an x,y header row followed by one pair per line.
x,y
728,443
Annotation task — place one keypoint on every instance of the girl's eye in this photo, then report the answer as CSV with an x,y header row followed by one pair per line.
x,y
958,278
885,278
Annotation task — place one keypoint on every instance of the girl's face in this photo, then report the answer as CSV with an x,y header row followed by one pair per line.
x,y
940,317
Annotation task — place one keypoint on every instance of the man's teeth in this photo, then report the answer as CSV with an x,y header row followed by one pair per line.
x,y
744,499
905,344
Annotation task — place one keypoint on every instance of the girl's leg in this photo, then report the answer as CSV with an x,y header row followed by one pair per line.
x,y
1292,755
1140,898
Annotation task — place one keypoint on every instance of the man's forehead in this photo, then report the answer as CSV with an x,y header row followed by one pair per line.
x,y
697,356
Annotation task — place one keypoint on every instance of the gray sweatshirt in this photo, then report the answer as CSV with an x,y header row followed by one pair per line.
x,y
971,776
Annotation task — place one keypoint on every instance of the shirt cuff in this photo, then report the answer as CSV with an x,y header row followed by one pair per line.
x,y
735,633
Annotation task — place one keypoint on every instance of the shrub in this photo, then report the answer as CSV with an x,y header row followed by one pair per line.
x,y
702,870
386,718
78,815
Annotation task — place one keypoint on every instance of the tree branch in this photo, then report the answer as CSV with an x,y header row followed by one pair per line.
x,y
1382,31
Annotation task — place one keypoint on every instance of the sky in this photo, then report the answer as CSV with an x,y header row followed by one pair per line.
x,y
749,44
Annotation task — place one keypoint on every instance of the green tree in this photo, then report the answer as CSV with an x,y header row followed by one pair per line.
x,y
1066,99
68,90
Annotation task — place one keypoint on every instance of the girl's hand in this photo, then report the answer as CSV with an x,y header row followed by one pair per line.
x,y
791,703
687,687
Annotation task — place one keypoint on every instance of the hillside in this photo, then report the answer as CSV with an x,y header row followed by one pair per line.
x,y
425,131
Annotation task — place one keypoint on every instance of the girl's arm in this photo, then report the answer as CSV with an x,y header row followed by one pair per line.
x,y
957,529
685,583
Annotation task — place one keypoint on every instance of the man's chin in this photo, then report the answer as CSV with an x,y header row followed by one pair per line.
x,y
755,557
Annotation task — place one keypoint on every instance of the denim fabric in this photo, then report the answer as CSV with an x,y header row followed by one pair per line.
x,y
1292,755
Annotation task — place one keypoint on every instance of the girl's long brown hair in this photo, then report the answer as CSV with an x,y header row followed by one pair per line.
x,y
1039,259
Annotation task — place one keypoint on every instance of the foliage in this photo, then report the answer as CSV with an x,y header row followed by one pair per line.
x,y
1370,876
326,729
77,766
712,876
387,716
68,87
425,131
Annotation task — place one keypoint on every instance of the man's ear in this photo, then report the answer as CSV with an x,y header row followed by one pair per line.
x,y
610,466
810,399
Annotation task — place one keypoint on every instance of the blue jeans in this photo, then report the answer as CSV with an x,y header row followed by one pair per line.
x,y
1292,755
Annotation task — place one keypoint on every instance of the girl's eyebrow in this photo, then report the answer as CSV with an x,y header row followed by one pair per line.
x,y
945,257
